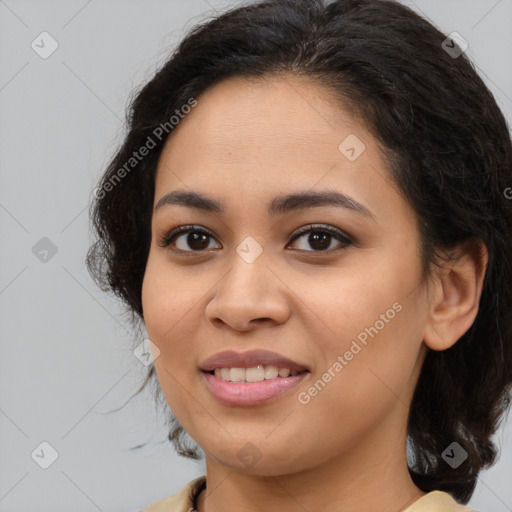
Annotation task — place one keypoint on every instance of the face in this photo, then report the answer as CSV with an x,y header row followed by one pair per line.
x,y
342,298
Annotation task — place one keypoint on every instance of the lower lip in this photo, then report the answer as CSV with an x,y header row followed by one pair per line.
x,y
250,393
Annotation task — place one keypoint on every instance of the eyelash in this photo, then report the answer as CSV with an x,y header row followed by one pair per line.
x,y
167,239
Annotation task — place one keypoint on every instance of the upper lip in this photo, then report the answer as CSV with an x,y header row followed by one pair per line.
x,y
249,359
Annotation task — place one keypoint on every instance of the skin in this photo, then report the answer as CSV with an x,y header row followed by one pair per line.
x,y
245,143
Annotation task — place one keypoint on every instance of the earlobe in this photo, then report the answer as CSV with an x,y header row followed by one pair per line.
x,y
454,300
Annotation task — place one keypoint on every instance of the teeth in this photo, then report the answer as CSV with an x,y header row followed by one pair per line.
x,y
254,374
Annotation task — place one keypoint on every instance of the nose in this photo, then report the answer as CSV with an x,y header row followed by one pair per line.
x,y
249,295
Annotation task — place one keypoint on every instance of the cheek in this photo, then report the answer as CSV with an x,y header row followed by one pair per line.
x,y
172,301
156,304
167,300
373,319
347,302
167,296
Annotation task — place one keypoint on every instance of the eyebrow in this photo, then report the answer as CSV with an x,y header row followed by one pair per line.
x,y
278,205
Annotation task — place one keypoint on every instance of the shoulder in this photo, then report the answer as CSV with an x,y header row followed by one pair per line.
x,y
182,501
437,501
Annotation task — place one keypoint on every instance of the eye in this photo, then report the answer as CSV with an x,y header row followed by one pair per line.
x,y
320,238
198,239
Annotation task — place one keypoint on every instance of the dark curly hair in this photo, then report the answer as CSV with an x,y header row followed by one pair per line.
x,y
448,149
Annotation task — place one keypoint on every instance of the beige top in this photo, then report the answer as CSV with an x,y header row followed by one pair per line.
x,y
184,501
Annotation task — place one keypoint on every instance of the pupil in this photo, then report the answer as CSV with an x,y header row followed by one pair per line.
x,y
197,241
317,241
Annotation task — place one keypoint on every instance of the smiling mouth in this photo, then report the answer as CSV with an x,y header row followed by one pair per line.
x,y
257,373
253,386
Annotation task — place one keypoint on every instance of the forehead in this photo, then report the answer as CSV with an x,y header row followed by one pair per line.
x,y
248,141
269,103
273,123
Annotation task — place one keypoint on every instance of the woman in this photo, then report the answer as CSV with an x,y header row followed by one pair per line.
x,y
309,216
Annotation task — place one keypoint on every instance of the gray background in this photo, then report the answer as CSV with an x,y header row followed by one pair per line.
x,y
65,351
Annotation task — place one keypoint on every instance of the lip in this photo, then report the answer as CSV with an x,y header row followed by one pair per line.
x,y
250,393
249,359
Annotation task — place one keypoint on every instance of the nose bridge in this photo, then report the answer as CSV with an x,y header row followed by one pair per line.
x,y
248,290
248,277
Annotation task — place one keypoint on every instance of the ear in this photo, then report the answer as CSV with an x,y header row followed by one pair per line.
x,y
454,296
